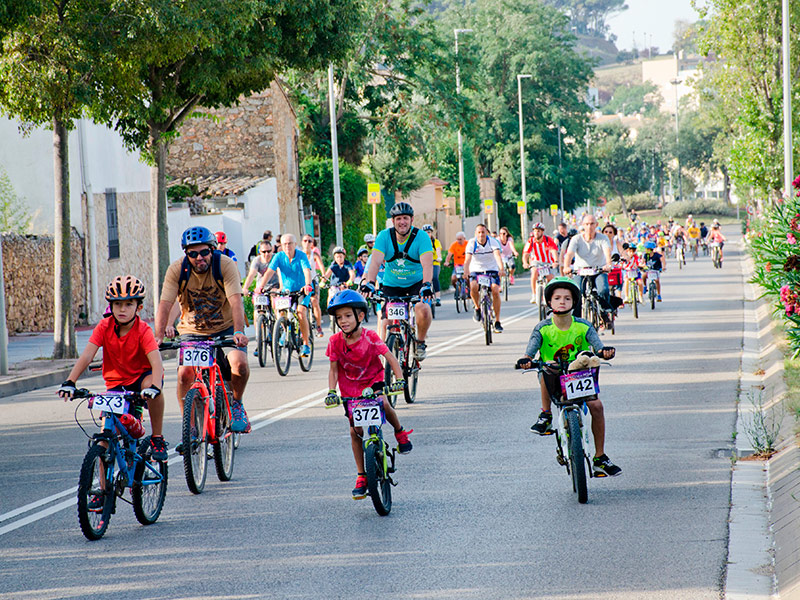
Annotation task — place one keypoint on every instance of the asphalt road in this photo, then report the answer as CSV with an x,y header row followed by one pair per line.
x,y
482,509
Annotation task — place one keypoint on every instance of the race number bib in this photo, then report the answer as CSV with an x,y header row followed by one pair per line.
x,y
110,402
367,413
261,300
196,354
282,302
484,280
652,275
714,244
586,271
578,385
396,311
459,270
544,270
631,273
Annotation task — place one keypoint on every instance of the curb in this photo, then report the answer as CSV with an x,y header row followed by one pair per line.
x,y
33,382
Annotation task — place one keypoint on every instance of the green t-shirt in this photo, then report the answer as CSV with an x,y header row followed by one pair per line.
x,y
551,342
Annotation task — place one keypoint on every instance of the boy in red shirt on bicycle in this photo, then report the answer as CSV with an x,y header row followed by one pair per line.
x,y
131,360
355,354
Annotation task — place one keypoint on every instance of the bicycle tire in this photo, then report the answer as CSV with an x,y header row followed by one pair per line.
x,y
261,336
486,318
306,361
652,291
410,370
457,296
680,260
224,447
282,345
432,304
195,459
540,301
378,485
505,287
388,373
577,458
94,524
148,498
635,293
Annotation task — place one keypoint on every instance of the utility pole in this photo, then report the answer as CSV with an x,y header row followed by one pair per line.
x,y
676,82
788,167
461,197
524,215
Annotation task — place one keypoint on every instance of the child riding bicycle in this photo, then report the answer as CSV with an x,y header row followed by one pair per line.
x,y
355,354
565,336
131,360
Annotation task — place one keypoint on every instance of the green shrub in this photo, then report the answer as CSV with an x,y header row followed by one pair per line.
x,y
642,201
701,206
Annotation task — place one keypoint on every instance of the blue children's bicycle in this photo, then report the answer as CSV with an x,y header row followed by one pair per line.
x,y
114,464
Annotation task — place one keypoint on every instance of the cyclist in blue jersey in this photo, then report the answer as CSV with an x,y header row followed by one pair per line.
x,y
295,275
407,254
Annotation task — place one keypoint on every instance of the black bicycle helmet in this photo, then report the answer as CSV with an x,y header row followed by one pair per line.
x,y
565,283
401,208
347,298
198,235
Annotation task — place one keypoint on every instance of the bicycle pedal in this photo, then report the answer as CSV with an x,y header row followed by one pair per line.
x,y
392,482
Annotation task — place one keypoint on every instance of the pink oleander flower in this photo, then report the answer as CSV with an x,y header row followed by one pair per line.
x,y
791,239
768,267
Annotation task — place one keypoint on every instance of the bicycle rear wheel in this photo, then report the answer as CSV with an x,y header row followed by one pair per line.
x,y
149,486
261,340
305,361
540,301
392,343
577,459
282,345
195,441
224,447
410,369
378,484
94,521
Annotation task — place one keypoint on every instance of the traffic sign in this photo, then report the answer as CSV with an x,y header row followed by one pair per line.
x,y
520,207
554,209
488,206
374,193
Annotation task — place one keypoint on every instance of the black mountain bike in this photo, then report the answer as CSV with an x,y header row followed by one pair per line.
x,y
401,340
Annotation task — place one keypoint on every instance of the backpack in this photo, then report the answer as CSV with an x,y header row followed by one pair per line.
x,y
404,254
216,271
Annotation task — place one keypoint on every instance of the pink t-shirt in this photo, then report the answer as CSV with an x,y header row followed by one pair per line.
x,y
360,364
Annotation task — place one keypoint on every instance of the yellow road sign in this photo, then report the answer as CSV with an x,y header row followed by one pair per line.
x,y
374,193
488,206
520,207
554,209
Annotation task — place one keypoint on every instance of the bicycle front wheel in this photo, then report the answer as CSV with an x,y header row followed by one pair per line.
x,y
195,442
577,459
224,448
457,295
282,345
393,344
540,301
305,361
505,287
635,299
410,369
261,340
652,296
486,317
149,486
378,484
95,499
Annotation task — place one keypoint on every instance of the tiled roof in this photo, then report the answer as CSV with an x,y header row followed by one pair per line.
x,y
221,186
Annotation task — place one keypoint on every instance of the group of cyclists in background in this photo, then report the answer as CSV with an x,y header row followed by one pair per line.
x,y
203,295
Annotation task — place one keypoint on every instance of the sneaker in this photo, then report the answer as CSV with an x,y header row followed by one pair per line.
x,y
360,491
544,425
533,299
305,350
404,444
158,448
477,316
497,327
319,331
255,352
95,503
603,467
659,298
240,422
438,302
511,280
422,351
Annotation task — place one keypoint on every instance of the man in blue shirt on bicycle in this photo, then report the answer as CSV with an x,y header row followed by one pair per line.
x,y
407,254
295,275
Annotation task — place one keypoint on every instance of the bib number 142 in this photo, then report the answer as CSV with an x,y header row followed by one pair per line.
x,y
578,385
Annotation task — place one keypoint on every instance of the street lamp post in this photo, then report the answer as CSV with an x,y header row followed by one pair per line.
x,y
788,174
524,215
461,197
560,171
337,198
676,82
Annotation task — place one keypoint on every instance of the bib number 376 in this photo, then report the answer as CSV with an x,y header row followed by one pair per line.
x,y
578,385
196,356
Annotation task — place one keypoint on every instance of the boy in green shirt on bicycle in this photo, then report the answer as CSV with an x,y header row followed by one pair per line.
x,y
565,336
355,354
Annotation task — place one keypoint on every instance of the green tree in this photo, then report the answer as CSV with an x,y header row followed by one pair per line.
x,y
634,99
621,169
14,214
55,57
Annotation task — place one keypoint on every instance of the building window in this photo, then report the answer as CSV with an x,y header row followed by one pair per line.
x,y
113,225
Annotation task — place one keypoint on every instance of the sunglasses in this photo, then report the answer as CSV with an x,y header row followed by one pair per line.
x,y
195,253
266,251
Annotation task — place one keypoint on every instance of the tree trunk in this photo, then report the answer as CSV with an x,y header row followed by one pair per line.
x,y
63,327
158,215
726,185
618,193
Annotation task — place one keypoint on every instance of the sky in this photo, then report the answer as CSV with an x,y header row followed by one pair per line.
x,y
656,18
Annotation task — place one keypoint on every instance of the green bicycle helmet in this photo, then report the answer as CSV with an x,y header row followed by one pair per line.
x,y
564,283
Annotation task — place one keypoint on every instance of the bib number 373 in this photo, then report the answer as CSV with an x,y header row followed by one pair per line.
x,y
578,385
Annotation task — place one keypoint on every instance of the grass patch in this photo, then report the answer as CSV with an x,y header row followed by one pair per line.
x,y
791,375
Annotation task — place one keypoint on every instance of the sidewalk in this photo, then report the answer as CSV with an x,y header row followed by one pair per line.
x,y
31,367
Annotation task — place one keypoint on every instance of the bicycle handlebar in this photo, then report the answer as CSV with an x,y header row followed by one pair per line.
x,y
216,342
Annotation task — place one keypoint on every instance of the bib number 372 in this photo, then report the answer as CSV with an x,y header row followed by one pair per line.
x,y
367,414
578,385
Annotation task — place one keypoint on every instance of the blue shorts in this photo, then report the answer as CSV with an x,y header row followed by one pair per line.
x,y
493,275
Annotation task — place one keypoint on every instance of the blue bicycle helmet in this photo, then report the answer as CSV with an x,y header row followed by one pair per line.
x,y
198,235
650,245
347,298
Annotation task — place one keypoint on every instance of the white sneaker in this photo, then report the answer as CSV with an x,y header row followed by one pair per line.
x,y
533,299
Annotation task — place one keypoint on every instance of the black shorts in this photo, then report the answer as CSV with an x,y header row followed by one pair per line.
x,y
411,290
136,386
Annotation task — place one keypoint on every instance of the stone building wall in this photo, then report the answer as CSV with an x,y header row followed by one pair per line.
x,y
28,275
135,249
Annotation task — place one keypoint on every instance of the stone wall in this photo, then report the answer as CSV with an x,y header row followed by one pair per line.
x,y
28,275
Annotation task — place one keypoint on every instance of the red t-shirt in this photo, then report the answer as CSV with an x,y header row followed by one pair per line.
x,y
360,364
544,251
124,358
